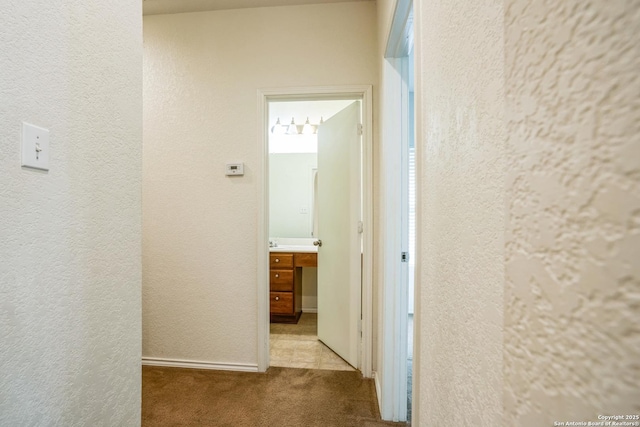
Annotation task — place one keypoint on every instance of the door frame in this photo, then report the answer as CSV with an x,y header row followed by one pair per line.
x,y
393,302
364,93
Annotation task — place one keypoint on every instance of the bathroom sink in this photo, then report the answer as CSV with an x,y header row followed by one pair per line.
x,y
294,248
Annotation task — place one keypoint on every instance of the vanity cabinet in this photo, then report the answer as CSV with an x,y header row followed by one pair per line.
x,y
285,284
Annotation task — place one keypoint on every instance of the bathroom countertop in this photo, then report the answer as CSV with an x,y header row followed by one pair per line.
x,y
295,248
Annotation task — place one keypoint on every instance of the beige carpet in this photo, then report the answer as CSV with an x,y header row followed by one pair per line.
x,y
282,397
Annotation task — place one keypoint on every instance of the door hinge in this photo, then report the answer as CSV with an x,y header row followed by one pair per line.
x,y
404,257
360,129
360,227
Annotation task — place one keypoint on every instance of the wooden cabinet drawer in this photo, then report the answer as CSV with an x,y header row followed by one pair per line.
x,y
305,259
281,280
281,302
281,260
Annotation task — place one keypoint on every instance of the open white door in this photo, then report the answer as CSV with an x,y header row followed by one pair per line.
x,y
339,213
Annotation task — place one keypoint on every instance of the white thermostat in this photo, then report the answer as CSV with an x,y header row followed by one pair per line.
x,y
234,169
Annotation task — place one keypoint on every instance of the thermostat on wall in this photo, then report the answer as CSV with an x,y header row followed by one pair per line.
x,y
235,169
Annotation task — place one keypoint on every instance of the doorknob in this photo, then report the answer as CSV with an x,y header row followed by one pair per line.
x,y
317,243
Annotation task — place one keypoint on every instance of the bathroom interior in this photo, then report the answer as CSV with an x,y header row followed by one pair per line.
x,y
293,152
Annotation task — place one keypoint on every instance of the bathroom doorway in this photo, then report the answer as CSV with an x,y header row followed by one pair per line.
x,y
295,206
308,317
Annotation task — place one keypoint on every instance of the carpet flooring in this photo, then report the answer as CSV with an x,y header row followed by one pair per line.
x,y
281,397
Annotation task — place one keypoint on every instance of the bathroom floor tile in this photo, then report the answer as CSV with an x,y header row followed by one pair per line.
x,y
309,345
344,366
297,346
282,353
296,337
305,357
282,344
330,357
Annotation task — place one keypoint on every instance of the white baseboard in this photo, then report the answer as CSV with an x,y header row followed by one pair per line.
x,y
376,382
194,364
309,310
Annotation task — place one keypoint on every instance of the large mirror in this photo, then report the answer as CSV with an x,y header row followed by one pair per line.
x,y
293,148
291,194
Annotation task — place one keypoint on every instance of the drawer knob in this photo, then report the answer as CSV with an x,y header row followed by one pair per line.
x,y
277,298
277,259
277,275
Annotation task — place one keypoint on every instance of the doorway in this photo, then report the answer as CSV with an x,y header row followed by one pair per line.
x,y
398,211
298,219
287,254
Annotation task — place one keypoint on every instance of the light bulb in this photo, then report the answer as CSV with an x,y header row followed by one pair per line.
x,y
293,129
318,125
307,129
277,128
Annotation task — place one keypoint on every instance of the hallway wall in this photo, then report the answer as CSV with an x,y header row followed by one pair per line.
x,y
70,256
461,164
202,72
572,295
529,179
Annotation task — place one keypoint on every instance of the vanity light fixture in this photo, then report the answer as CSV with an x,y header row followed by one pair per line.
x,y
277,128
293,128
307,129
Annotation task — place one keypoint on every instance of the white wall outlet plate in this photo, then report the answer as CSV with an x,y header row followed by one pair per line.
x,y
235,169
35,147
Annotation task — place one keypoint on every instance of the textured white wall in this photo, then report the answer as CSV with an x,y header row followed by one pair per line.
x,y
572,298
201,76
532,190
460,96
70,256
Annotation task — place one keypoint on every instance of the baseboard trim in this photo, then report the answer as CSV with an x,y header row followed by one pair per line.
x,y
309,310
376,382
194,364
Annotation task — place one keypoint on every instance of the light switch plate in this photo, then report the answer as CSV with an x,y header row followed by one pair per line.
x,y
35,147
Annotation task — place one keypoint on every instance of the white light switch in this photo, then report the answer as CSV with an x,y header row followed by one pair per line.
x,y
35,147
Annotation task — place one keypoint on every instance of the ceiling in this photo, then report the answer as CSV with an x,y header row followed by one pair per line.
x,y
158,7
